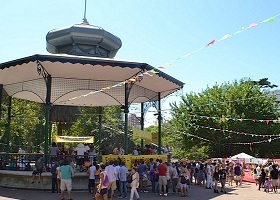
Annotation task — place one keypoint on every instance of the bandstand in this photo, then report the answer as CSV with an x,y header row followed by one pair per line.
x,y
81,71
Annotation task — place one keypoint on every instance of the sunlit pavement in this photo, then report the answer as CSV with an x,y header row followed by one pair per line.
x,y
247,191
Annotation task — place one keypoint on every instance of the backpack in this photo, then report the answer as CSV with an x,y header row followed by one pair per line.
x,y
106,180
129,178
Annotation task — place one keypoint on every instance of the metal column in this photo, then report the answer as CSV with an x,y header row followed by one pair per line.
x,y
1,96
99,132
126,111
47,117
8,125
142,125
159,124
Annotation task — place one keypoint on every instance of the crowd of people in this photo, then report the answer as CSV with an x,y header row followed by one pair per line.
x,y
161,178
154,176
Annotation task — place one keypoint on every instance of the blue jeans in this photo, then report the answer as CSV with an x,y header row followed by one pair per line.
x,y
123,188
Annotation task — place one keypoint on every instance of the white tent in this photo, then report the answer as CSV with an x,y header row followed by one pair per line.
x,y
241,155
244,157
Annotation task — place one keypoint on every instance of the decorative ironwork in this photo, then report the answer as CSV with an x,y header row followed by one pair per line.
x,y
130,83
42,71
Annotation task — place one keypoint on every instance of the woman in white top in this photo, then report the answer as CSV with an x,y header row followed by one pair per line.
x,y
102,187
135,183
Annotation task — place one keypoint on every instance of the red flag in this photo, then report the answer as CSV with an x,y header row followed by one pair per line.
x,y
211,43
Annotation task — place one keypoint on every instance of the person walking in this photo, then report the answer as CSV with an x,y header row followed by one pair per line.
x,y
102,187
274,173
66,175
162,169
123,172
111,173
92,172
135,184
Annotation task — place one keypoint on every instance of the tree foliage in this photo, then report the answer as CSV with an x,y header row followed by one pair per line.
x,y
28,124
218,108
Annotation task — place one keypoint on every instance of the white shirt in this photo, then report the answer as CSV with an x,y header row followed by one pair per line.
x,y
92,170
135,152
174,172
111,173
81,151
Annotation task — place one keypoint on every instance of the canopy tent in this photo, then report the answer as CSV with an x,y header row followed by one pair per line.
x,y
242,155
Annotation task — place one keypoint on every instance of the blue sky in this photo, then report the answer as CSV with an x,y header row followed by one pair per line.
x,y
159,31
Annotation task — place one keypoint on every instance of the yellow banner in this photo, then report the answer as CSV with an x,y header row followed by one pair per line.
x,y
72,139
147,136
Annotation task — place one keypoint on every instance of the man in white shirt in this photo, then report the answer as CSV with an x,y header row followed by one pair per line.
x,y
81,150
111,173
91,181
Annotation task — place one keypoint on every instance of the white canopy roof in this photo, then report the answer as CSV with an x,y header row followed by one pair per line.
x,y
241,155
75,76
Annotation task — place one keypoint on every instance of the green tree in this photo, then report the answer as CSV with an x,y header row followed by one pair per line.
x,y
205,115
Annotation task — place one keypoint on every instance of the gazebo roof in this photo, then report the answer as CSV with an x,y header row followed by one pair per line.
x,y
75,76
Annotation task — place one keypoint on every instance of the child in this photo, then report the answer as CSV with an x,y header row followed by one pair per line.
x,y
267,185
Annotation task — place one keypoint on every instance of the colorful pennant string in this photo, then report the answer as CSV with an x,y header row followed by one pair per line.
x,y
151,72
233,132
134,79
226,36
232,143
267,121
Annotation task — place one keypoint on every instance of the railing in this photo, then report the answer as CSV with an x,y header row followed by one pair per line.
x,y
26,161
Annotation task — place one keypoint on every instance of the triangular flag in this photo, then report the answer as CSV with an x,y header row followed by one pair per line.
x,y
153,71
225,37
252,25
211,43
271,19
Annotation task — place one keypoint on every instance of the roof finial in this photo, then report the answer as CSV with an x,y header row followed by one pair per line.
x,y
85,12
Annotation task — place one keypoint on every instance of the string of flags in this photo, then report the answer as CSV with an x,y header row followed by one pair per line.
x,y
152,72
235,132
223,38
131,80
232,143
225,119
191,135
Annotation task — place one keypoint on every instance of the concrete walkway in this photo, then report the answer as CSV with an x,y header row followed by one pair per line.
x,y
247,191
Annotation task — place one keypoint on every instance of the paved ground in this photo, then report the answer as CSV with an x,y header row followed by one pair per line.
x,y
247,191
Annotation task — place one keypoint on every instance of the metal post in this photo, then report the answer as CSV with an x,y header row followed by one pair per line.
x,y
159,124
48,108
126,111
50,127
8,125
142,125
99,132
1,96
